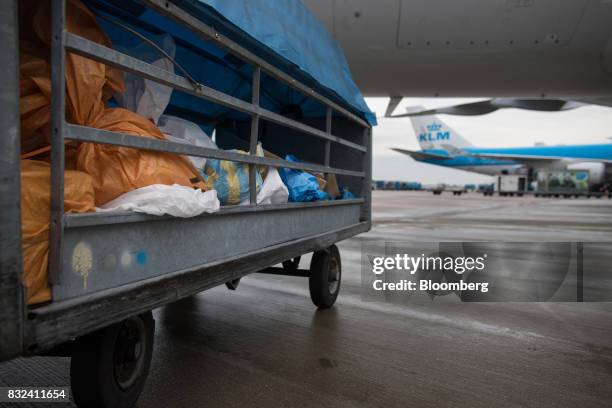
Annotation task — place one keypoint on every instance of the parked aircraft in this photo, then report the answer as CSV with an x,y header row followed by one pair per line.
x,y
443,146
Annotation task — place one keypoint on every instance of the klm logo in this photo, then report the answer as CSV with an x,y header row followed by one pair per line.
x,y
431,137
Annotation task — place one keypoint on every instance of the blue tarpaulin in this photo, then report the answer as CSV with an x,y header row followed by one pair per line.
x,y
290,30
285,34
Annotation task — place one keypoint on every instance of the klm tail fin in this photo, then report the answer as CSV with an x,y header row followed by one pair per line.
x,y
432,133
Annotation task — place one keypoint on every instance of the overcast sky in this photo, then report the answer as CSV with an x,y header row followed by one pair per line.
x,y
504,128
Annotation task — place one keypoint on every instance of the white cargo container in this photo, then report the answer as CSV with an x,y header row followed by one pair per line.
x,y
510,184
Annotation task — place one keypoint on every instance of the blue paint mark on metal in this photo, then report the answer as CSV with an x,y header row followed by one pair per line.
x,y
141,257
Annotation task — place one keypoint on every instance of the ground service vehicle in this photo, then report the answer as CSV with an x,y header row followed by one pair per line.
x,y
570,183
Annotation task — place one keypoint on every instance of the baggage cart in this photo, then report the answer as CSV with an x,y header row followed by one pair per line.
x,y
109,270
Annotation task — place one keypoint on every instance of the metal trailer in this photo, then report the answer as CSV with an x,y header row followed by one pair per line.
x,y
565,183
110,315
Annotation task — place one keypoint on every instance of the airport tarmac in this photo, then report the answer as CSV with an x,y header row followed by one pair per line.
x,y
266,345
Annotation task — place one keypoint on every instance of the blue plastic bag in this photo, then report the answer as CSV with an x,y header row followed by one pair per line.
x,y
231,179
346,194
302,186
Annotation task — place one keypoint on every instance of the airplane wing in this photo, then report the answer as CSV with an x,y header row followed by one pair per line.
x,y
491,105
421,155
528,157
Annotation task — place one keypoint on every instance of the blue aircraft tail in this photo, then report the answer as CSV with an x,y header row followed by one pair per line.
x,y
432,133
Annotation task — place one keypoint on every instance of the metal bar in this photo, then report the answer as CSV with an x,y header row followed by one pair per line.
x,y
103,218
12,303
183,18
256,87
58,91
281,120
254,135
95,51
304,273
366,213
580,272
152,44
61,321
87,134
328,128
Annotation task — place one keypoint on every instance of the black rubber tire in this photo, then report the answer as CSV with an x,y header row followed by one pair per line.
x,y
93,373
325,277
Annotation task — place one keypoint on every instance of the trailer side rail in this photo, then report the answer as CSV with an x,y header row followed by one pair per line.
x,y
63,41
12,303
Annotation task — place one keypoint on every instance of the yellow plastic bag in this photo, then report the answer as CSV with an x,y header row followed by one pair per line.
x,y
117,170
107,171
89,84
35,213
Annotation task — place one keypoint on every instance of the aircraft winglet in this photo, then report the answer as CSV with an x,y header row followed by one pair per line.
x,y
421,155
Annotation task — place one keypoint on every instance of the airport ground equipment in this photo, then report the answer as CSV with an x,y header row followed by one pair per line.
x,y
457,190
563,182
438,189
511,184
486,189
397,185
571,183
139,262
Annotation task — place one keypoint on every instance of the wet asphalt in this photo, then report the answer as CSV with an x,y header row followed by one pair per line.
x,y
266,345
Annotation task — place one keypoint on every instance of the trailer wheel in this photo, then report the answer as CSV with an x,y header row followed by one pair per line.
x,y
109,367
325,277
